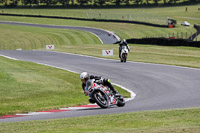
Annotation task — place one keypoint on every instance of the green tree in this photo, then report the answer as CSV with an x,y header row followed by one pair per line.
x,y
156,2
99,2
2,1
14,2
82,2
138,1
49,2
64,2
127,2
72,1
30,2
173,1
117,2
147,1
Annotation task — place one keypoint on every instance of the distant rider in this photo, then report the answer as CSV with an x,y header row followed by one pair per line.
x,y
87,81
123,43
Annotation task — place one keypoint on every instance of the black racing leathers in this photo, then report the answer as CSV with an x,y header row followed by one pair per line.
x,y
102,81
120,48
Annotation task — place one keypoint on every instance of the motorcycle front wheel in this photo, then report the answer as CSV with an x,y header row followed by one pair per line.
x,y
101,99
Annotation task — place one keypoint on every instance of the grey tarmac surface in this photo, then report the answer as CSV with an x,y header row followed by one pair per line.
x,y
106,37
157,87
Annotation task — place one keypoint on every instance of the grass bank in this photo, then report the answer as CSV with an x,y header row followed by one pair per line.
x,y
26,87
124,30
179,56
80,42
187,120
153,15
44,88
27,38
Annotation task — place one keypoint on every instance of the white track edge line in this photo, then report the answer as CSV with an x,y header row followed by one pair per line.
x,y
127,61
8,57
127,99
102,58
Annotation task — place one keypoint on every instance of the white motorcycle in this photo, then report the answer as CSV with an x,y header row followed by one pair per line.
x,y
124,54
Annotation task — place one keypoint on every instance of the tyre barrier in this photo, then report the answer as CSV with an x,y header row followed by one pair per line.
x,y
164,42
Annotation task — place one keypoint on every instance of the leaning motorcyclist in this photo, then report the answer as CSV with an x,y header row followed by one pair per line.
x,y
123,43
87,81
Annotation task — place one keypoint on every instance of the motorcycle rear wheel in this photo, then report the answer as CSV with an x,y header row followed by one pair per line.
x,y
125,56
121,102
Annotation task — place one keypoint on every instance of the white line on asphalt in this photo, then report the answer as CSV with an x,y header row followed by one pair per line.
x,y
127,99
133,95
128,61
8,57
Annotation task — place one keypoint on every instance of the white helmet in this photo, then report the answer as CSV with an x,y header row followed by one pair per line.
x,y
84,76
124,41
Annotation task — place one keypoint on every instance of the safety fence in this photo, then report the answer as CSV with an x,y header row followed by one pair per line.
x,y
165,42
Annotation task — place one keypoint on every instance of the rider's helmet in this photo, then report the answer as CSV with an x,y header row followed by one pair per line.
x,y
124,42
84,76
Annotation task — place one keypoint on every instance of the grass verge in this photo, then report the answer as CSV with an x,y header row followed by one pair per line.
x,y
123,30
180,56
27,38
26,87
24,81
152,15
182,120
14,37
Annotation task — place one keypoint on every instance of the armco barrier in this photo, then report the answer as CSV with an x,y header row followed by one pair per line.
x,y
164,42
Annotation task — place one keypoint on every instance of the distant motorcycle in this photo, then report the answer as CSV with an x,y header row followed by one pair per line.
x,y
104,97
124,54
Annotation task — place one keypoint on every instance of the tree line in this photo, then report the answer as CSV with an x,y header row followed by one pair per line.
x,y
88,2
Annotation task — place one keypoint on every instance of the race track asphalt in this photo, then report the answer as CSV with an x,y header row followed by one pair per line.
x,y
106,37
157,87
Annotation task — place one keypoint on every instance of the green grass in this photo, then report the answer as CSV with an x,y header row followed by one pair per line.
x,y
25,37
79,42
122,30
44,88
91,3
155,15
180,56
13,37
187,120
28,81
26,87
